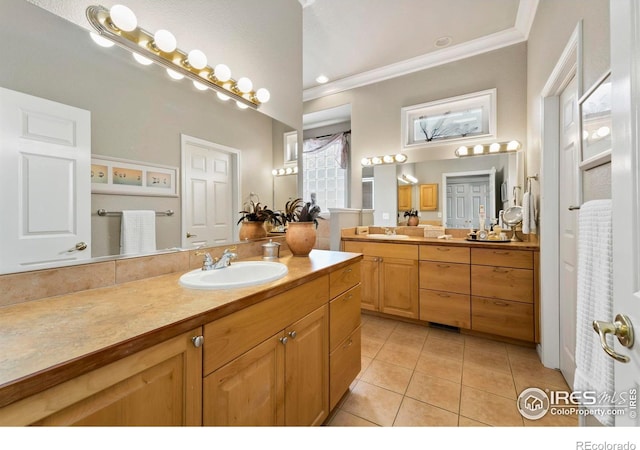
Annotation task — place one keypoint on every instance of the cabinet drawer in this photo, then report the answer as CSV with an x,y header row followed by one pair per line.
x,y
503,318
344,316
440,276
445,308
342,279
522,259
404,251
445,253
232,335
344,367
502,282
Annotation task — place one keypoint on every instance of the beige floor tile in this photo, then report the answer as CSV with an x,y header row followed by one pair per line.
x,y
485,345
496,382
364,364
344,419
414,413
435,366
533,373
408,340
435,391
489,408
519,352
411,329
443,348
451,336
488,360
466,422
370,346
374,331
524,381
388,376
373,403
399,355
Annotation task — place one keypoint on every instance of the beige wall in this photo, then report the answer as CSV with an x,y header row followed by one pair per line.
x,y
138,113
376,118
554,23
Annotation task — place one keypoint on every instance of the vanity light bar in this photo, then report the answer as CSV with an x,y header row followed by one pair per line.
x,y
488,149
284,171
119,25
387,159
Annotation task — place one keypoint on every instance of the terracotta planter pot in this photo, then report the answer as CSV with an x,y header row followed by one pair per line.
x,y
252,230
413,221
301,237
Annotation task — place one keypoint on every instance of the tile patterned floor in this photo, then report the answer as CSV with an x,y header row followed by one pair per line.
x,y
414,375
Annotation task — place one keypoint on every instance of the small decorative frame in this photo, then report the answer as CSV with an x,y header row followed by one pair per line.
x,y
463,118
291,148
595,123
125,177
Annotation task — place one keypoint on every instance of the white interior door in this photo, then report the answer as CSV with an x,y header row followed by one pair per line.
x,y
625,159
45,158
568,196
208,207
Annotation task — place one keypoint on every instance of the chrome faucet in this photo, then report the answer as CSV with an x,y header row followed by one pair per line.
x,y
225,259
208,262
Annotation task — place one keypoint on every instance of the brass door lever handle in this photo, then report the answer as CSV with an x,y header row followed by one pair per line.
x,y
622,329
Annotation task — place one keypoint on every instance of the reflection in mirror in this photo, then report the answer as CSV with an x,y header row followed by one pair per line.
x,y
137,113
386,202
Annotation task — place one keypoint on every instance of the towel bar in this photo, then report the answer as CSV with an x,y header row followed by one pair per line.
x,y
103,212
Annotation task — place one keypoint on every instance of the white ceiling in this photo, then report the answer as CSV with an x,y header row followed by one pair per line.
x,y
359,42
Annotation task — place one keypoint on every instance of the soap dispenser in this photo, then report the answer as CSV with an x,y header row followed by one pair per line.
x,y
271,250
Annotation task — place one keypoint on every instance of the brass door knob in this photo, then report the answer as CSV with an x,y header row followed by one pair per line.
x,y
622,329
189,235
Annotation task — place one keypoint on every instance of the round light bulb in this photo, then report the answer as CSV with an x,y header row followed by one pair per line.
x,y
462,151
141,59
281,172
222,96
222,72
376,160
295,169
387,158
495,147
289,171
244,85
322,79
101,41
123,18
400,158
274,172
603,131
478,149
513,145
165,41
365,161
175,75
200,86
197,59
241,105
263,95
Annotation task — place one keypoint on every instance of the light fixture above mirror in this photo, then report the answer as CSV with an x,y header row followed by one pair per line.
x,y
386,159
488,149
120,26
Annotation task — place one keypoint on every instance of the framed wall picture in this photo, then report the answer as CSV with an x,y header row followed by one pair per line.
x,y
595,123
125,177
462,118
291,148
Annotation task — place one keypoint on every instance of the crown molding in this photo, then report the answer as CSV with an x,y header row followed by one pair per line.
x,y
519,33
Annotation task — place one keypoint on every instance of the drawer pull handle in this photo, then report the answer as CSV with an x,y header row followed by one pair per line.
x,y
500,303
498,252
348,270
197,341
348,344
444,266
284,340
442,249
499,270
444,295
293,334
348,297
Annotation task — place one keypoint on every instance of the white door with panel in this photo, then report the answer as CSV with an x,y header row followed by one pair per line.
x,y
208,206
45,164
568,196
625,160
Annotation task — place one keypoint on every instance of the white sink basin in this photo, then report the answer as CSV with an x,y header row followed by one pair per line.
x,y
238,274
388,236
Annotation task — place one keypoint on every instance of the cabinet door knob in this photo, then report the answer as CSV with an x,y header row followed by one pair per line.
x,y
292,334
348,270
197,341
444,266
284,340
347,297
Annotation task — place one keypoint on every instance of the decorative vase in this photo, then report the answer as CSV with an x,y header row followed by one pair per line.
x,y
301,237
252,230
413,221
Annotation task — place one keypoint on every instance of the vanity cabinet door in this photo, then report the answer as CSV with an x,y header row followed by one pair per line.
x,y
399,287
370,273
159,386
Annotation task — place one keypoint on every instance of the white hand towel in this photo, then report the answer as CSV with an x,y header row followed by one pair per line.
x,y
138,232
528,213
594,368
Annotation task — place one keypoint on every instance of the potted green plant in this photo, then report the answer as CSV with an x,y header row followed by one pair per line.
x,y
412,215
302,220
253,218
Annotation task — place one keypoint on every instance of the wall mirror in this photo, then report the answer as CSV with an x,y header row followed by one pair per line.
x,y
595,116
137,113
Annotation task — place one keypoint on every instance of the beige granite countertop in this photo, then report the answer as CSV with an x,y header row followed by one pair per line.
x,y
453,241
47,341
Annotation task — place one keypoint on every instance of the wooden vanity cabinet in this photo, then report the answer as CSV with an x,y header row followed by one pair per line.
x,y
159,386
502,292
389,277
445,285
